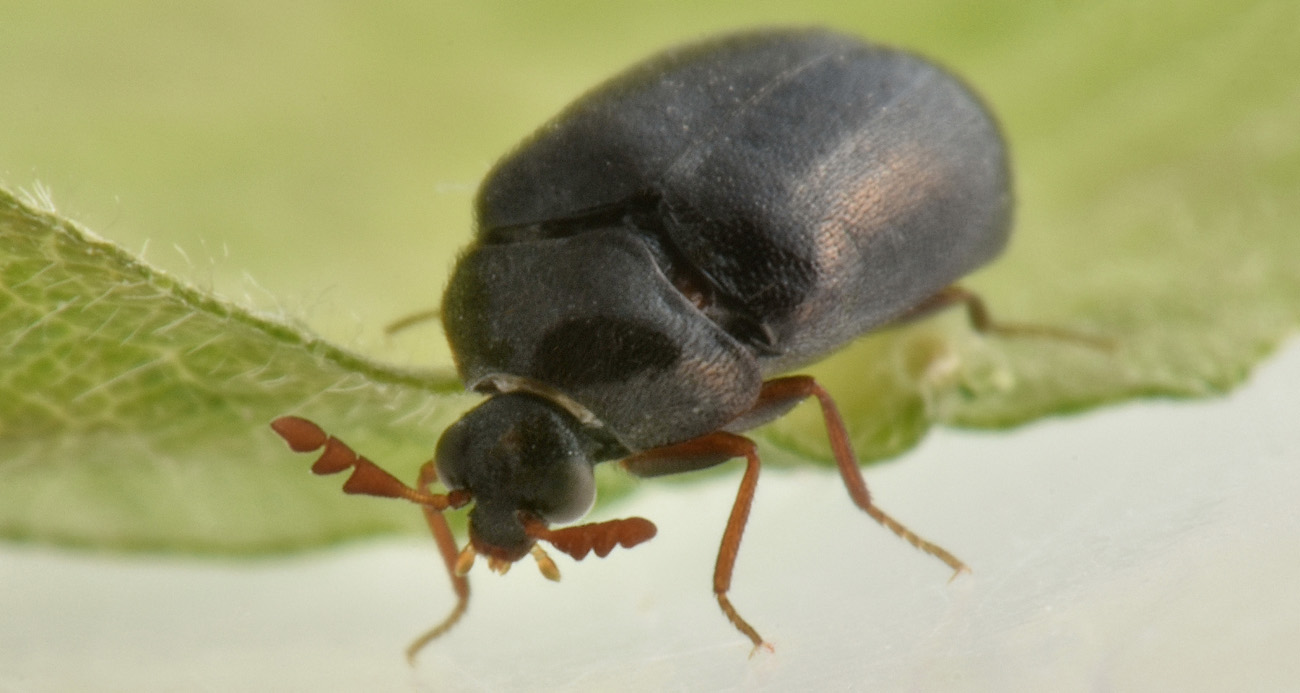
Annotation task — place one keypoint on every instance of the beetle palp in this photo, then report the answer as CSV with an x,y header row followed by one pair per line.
x,y
544,563
466,560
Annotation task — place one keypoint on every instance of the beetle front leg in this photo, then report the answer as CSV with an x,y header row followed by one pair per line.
x,y
450,553
367,478
701,453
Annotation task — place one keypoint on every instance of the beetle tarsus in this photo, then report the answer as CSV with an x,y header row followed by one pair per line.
x,y
729,549
851,473
912,538
742,625
413,650
701,453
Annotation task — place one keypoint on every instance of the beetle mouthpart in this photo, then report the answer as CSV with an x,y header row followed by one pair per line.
x,y
500,566
465,561
544,563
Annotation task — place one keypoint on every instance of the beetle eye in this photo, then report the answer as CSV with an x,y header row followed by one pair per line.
x,y
569,494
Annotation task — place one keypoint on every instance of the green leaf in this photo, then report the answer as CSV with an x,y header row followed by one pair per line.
x,y
1157,176
134,408
1158,206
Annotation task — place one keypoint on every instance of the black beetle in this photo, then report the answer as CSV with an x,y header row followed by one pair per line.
x,y
649,260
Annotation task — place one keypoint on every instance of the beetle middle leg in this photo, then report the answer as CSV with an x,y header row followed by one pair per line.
x,y
779,391
714,448
983,322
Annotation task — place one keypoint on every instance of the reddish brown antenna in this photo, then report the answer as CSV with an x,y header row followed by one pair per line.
x,y
369,479
600,537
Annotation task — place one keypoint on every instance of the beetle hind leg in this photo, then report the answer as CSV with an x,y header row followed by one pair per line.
x,y
982,321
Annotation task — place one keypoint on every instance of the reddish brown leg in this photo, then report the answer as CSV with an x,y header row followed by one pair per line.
x,y
699,453
980,319
798,387
369,479
450,553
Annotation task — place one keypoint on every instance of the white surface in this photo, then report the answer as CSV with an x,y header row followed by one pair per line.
x,y
1150,546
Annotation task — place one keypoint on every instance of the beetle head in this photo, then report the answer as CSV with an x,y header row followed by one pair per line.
x,y
526,464
520,458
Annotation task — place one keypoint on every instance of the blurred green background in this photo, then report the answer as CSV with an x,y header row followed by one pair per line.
x,y
322,156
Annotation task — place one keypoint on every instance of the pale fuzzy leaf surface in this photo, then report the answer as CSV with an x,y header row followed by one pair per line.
x,y
134,408
1156,150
